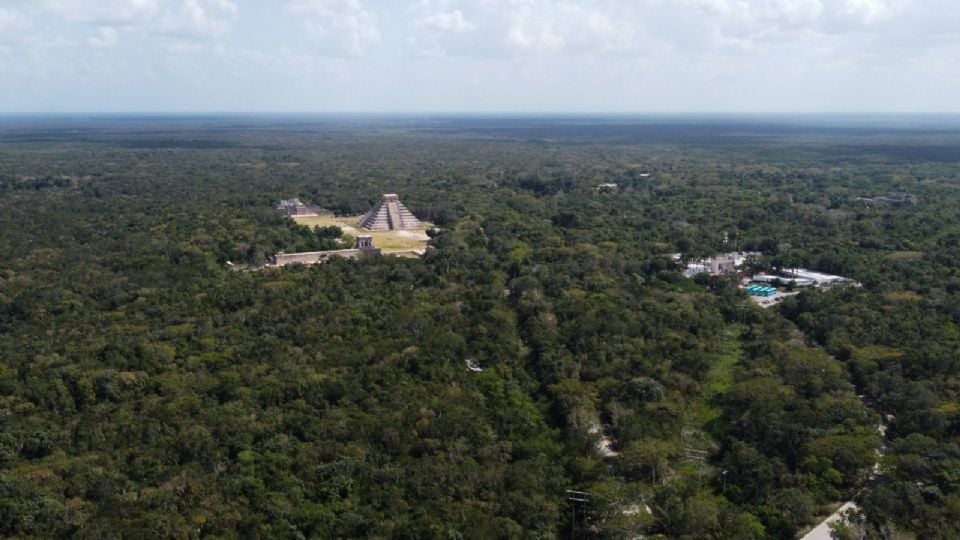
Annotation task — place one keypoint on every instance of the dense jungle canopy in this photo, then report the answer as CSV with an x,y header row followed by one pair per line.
x,y
148,390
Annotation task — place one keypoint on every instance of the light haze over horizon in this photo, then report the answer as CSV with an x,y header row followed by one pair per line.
x,y
479,56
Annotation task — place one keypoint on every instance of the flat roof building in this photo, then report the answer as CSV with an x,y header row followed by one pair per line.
x,y
719,264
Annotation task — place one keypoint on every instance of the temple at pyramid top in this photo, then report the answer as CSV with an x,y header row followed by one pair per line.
x,y
389,215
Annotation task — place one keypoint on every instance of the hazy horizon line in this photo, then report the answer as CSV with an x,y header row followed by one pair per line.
x,y
477,113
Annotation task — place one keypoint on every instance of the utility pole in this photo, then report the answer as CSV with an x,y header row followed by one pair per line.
x,y
699,457
575,497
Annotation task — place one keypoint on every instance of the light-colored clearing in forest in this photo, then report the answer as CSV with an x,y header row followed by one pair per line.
x,y
387,241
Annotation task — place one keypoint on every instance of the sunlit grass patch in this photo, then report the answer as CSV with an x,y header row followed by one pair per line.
x,y
387,241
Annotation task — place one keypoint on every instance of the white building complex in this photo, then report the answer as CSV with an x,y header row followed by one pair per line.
x,y
719,264
818,278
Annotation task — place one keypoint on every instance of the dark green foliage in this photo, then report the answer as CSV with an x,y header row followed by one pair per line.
x,y
145,388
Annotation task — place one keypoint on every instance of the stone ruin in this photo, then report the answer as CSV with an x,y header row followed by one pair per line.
x,y
389,215
295,207
363,246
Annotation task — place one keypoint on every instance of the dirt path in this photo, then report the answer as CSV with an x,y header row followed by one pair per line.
x,y
822,530
605,444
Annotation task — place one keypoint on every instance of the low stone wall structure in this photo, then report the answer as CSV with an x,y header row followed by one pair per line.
x,y
364,246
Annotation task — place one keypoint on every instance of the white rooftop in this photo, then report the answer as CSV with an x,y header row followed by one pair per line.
x,y
819,277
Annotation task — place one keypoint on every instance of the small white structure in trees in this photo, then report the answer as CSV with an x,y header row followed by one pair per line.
x,y
472,365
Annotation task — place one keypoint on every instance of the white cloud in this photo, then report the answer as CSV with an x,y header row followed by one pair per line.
x,y
485,54
453,21
13,24
740,23
198,19
337,27
106,12
870,11
10,20
181,19
649,27
16,31
521,27
106,37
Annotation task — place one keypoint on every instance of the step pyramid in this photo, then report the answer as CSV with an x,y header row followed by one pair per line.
x,y
389,215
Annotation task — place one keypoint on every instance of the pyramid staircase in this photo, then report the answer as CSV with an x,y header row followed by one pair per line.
x,y
389,215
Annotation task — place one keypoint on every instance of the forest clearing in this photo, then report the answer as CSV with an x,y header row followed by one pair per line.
x,y
388,241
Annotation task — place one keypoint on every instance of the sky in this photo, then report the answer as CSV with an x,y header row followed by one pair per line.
x,y
480,56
